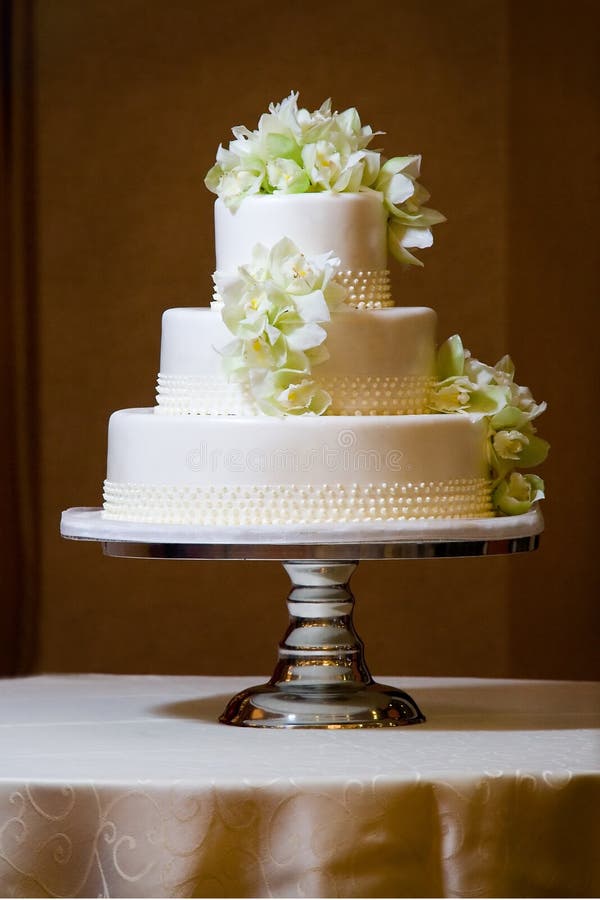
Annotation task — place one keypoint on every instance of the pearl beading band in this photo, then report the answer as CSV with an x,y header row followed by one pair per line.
x,y
458,498
377,395
360,395
367,289
208,395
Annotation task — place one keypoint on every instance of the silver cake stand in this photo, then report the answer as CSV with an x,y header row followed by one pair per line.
x,y
321,679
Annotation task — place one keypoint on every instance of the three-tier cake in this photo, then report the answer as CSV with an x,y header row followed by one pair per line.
x,y
303,394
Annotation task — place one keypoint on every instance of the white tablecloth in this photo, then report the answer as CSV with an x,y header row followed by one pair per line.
x,y
126,786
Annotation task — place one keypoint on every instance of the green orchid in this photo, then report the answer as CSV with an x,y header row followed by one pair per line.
x,y
466,385
511,448
458,394
517,493
455,391
502,373
514,443
509,444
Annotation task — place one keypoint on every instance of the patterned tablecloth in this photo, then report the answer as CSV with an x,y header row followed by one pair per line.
x,y
127,786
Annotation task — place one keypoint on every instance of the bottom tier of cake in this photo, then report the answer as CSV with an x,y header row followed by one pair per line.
x,y
252,471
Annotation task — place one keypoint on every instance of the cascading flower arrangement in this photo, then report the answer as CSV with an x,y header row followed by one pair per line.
x,y
276,308
466,385
294,151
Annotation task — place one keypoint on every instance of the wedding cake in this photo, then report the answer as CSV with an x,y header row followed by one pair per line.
x,y
303,395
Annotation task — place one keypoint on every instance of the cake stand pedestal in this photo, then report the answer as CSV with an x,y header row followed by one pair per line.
x,y
321,679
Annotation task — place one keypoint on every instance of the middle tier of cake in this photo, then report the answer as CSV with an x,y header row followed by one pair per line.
x,y
248,471
381,362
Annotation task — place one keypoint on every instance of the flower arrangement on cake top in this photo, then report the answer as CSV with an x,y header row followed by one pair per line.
x,y
295,151
466,385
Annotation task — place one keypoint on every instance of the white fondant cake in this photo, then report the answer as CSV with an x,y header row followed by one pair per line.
x,y
302,395
354,226
205,454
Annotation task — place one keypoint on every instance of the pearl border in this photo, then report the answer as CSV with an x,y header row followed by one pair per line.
x,y
368,289
459,498
352,395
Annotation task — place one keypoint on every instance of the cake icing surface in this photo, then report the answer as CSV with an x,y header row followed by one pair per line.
x,y
353,225
303,394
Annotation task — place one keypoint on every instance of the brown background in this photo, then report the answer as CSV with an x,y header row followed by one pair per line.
x,y
113,111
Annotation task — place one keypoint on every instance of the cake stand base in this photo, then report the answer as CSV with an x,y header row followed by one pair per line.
x,y
277,706
321,679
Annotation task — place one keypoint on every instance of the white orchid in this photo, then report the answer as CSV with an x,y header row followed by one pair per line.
x,y
276,307
236,184
287,177
289,392
410,222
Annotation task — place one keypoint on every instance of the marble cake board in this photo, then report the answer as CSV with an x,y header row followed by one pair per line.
x,y
87,523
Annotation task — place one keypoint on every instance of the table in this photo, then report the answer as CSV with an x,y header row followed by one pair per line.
x,y
126,786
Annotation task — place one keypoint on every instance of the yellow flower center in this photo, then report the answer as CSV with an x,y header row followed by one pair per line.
x,y
254,303
256,345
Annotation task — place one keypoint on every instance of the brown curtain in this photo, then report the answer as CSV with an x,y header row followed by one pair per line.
x,y
19,484
111,115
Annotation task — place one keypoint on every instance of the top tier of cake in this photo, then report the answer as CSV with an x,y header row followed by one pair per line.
x,y
352,226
